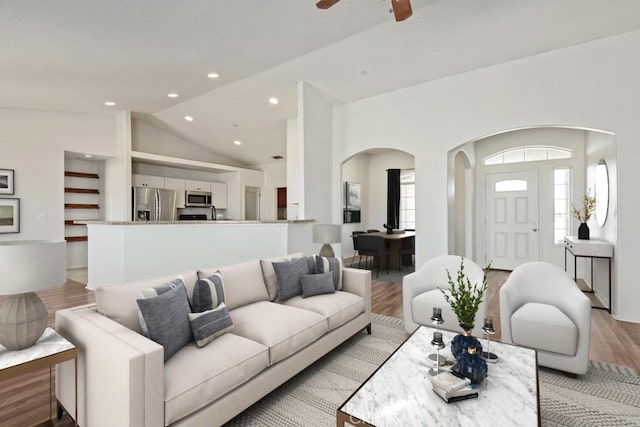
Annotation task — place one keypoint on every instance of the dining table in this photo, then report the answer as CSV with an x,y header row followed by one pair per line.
x,y
397,240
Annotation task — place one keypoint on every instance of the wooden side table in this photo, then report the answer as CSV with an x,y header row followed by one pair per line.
x,y
51,349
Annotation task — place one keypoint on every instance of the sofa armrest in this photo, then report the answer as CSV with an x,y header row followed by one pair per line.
x,y
120,372
358,282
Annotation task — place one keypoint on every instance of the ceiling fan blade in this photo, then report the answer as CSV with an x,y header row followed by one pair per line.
x,y
401,9
326,4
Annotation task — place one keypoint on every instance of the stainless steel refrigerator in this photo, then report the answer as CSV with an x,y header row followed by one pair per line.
x,y
153,204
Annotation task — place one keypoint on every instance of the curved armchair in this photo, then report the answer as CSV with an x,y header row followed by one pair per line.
x,y
541,307
421,292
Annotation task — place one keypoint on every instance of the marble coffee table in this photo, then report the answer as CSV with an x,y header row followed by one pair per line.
x,y
399,392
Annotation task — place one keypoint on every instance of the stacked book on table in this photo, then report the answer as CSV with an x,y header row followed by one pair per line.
x,y
452,388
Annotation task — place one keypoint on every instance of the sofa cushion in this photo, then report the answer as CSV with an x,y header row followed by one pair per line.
x,y
283,329
330,264
210,324
243,283
195,377
338,308
289,274
208,293
317,284
119,302
544,327
269,275
164,318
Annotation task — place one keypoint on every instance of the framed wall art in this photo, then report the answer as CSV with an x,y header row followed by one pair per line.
x,y
6,181
9,215
353,203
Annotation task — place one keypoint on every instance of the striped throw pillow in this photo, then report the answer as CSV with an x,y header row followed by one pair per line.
x,y
208,293
330,264
210,324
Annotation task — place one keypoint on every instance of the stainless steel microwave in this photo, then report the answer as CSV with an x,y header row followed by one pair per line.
x,y
197,199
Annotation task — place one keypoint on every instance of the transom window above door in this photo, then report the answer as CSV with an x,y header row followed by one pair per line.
x,y
531,153
511,185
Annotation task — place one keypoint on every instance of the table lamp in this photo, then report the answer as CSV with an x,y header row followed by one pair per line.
x,y
327,234
28,266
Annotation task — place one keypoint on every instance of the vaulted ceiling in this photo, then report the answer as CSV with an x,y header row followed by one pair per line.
x,y
74,55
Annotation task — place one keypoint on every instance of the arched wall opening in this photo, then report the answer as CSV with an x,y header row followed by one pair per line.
x,y
368,169
589,148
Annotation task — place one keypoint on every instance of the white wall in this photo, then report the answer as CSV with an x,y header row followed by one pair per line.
x,y
149,138
33,144
576,86
378,165
315,121
601,146
356,169
275,175
295,170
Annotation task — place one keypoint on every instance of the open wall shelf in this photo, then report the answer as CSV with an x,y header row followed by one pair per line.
x,y
77,198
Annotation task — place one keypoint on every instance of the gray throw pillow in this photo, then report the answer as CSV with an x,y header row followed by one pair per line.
x,y
289,276
210,324
334,265
208,293
317,284
165,317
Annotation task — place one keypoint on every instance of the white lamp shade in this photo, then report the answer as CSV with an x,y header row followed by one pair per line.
x,y
326,233
32,265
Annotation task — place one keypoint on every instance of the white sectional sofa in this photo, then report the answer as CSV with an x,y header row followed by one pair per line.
x,y
124,381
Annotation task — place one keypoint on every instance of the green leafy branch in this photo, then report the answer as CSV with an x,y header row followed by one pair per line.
x,y
464,297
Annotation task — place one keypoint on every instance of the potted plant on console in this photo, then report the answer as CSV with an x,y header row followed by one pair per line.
x,y
584,214
464,298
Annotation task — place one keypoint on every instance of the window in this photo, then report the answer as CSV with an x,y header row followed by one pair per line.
x,y
528,154
561,192
408,199
511,185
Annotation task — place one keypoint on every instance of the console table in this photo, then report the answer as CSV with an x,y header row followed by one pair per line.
x,y
593,248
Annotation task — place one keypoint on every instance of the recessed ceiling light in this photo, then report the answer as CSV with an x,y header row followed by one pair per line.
x,y
237,142
88,156
188,118
213,75
173,95
109,103
273,100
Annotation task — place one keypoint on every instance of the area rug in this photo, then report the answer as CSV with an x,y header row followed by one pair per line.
x,y
608,395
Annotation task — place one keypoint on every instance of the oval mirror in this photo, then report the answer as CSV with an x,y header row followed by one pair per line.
x,y
602,192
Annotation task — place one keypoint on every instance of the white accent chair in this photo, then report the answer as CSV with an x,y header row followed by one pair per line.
x,y
541,307
421,292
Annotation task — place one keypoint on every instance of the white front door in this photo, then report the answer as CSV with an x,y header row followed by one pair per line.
x,y
511,219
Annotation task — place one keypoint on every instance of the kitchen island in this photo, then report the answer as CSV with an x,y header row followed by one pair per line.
x,y
123,251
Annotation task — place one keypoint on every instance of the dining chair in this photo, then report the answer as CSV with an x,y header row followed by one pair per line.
x,y
375,247
409,250
355,247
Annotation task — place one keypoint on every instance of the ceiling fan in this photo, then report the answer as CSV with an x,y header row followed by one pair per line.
x,y
401,8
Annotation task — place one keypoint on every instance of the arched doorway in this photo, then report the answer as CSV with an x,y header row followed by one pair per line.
x,y
367,171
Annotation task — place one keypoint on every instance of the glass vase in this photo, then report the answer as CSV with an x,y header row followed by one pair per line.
x,y
462,341
471,365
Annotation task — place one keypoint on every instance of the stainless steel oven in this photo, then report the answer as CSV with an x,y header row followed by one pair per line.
x,y
199,199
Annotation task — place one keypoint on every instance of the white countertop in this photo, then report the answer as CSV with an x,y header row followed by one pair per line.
x,y
216,222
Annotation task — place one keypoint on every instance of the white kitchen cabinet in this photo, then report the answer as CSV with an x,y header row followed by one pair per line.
x,y
192,185
178,185
138,180
219,197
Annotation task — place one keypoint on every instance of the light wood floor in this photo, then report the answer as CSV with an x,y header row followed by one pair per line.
x,y
24,400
